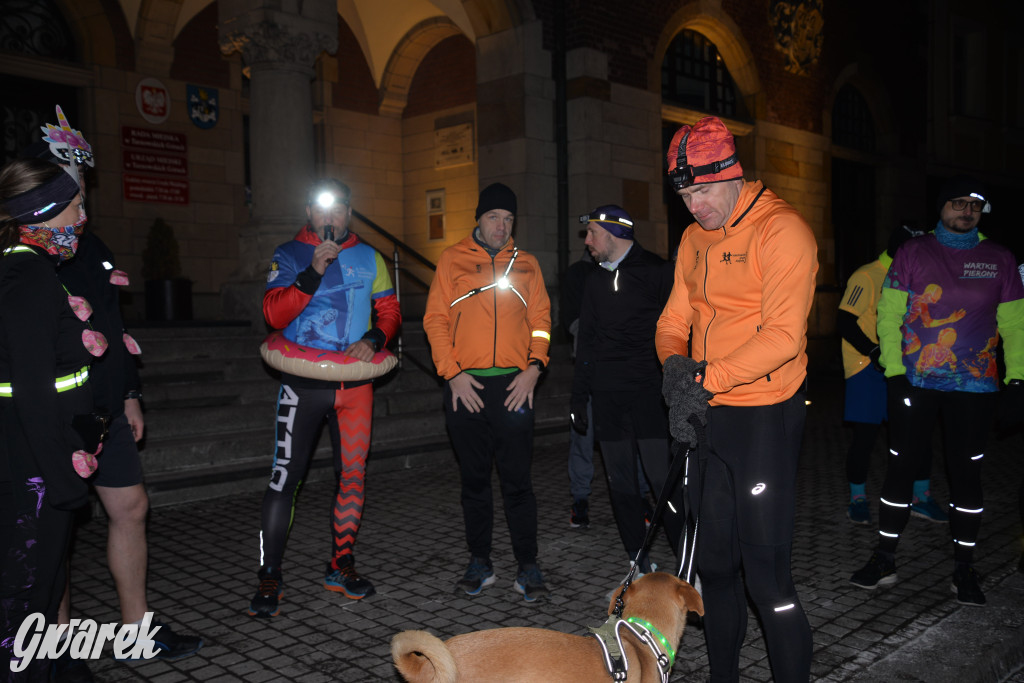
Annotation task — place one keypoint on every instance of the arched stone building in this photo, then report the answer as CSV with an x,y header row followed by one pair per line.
x,y
853,112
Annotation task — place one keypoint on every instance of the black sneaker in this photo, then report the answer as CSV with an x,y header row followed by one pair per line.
x,y
347,581
966,586
168,644
266,602
879,571
580,514
68,670
479,575
530,582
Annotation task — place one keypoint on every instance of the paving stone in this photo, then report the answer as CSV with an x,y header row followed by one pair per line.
x,y
204,556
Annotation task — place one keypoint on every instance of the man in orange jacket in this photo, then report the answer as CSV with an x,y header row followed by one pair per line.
x,y
488,320
744,281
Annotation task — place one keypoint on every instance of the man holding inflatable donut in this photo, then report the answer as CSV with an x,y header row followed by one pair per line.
x,y
330,296
488,320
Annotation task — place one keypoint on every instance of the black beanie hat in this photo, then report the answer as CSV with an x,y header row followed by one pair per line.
x,y
962,186
496,196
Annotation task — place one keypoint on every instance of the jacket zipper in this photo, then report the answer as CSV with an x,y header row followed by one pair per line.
x,y
494,338
714,311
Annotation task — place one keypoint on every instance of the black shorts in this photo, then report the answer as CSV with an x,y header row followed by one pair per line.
x,y
120,464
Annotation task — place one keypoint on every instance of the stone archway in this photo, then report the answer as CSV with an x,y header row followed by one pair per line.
x,y
718,27
406,58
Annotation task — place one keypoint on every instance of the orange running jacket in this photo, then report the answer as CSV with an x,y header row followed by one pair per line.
x,y
746,290
503,327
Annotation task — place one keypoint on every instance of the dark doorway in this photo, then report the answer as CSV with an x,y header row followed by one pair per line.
x,y
853,216
33,104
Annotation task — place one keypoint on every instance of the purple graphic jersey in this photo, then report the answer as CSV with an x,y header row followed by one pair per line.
x,y
949,329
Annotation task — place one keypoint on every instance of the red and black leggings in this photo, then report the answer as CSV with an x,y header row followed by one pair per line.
x,y
300,412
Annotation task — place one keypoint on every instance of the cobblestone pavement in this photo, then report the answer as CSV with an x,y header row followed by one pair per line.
x,y
203,561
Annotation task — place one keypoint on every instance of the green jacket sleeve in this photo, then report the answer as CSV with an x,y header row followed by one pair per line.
x,y
892,306
1010,320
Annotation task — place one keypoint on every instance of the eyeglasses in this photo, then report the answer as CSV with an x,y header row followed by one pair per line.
x,y
960,204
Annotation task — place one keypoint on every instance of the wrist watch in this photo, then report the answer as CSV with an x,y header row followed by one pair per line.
x,y
540,365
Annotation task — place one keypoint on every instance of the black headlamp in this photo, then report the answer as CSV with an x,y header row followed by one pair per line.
x,y
683,175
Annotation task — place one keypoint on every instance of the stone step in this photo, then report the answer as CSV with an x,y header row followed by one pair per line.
x,y
210,411
227,478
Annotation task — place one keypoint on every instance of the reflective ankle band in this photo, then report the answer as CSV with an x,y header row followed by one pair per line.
x,y
65,383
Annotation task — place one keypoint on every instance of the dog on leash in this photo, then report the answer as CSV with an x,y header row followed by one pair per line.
x,y
657,601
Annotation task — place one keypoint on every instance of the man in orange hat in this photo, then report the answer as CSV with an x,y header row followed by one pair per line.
x,y
744,281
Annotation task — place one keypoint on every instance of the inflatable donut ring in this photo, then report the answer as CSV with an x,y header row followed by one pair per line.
x,y
334,366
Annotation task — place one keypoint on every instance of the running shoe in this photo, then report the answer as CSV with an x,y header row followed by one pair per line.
x,y
967,586
266,602
580,517
346,580
927,508
170,645
530,583
879,571
859,512
479,575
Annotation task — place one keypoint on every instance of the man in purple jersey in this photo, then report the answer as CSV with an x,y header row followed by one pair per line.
x,y
947,298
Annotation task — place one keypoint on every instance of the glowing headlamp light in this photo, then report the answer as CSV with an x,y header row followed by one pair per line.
x,y
586,218
503,282
326,200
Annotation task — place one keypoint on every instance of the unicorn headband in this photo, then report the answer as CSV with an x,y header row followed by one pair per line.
x,y
67,145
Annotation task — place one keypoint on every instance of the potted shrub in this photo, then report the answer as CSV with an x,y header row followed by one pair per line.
x,y
168,294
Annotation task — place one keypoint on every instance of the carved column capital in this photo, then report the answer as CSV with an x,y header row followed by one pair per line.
x,y
269,36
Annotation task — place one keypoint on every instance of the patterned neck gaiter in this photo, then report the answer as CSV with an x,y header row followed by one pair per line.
x,y
61,242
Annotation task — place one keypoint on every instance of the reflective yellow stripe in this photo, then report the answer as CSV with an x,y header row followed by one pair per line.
x,y
75,379
542,334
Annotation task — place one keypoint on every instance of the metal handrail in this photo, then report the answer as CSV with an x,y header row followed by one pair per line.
x,y
399,269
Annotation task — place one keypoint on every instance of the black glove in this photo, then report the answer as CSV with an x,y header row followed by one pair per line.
x,y
1011,406
898,387
686,397
875,357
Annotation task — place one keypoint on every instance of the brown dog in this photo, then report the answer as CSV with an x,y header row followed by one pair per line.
x,y
508,655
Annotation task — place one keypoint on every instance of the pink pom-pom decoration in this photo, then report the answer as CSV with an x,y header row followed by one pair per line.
x,y
130,344
95,343
81,307
119,277
85,463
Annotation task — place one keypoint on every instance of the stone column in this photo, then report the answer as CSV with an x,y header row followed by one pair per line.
x,y
515,140
279,48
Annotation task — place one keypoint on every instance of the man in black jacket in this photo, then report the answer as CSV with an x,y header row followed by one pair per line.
x,y
617,365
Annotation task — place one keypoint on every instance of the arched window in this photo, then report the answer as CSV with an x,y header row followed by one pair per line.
x,y
36,28
852,125
693,75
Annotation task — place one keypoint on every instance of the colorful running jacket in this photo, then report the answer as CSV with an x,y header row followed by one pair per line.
x,y
942,311
353,300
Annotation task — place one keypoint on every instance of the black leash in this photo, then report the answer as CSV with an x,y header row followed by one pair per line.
x,y
679,458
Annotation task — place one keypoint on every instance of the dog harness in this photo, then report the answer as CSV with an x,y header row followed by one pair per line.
x,y
501,283
609,636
